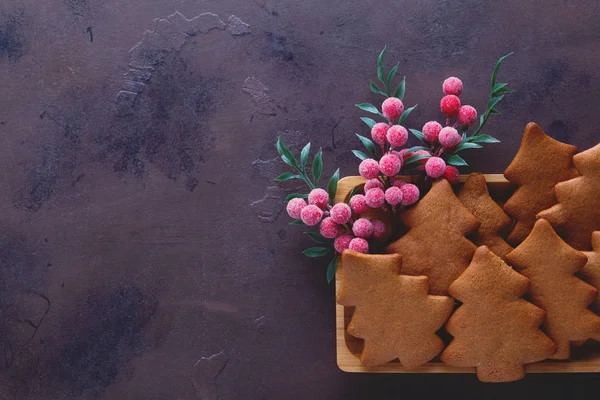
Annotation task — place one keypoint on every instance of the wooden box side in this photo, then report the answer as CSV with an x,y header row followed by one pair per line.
x,y
348,347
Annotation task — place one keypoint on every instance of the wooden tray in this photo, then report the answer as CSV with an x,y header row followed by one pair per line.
x,y
583,359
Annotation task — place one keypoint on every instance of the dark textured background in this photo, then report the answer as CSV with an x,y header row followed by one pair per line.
x,y
138,232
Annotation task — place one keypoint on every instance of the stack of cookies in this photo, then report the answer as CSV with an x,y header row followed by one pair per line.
x,y
512,283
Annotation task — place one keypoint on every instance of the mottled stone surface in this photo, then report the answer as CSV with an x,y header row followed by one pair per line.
x,y
137,150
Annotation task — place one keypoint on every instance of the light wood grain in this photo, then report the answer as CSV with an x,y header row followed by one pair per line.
x,y
348,347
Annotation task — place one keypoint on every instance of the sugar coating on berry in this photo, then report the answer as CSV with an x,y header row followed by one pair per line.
x,y
318,197
393,195
311,215
360,245
378,133
369,169
452,85
342,242
358,203
410,194
372,184
390,165
375,198
329,228
435,167
362,227
340,213
392,108
294,207
398,183
449,137
450,104
378,229
451,174
431,130
467,115
397,136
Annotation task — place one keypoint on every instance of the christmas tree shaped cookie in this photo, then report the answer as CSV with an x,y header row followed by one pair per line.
x,y
550,264
591,270
495,329
540,163
394,314
435,245
475,196
577,213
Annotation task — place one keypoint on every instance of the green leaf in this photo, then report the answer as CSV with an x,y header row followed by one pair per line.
x,y
368,108
331,268
466,145
370,146
483,139
361,156
415,148
457,161
405,114
380,65
399,93
317,237
481,118
375,89
332,185
505,90
369,121
354,190
304,154
317,166
391,75
497,67
296,222
316,251
497,87
494,101
415,158
295,195
286,154
287,176
417,134
494,111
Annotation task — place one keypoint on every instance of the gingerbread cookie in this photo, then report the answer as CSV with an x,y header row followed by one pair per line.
x,y
540,163
495,330
475,196
550,264
577,213
435,244
393,313
591,270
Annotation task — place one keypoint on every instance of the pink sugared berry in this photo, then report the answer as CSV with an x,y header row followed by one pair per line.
x,y
358,203
398,183
453,86
378,133
294,207
372,184
329,228
449,137
375,198
340,213
369,169
451,174
390,165
435,167
392,108
450,104
397,136
318,197
393,195
359,244
467,115
378,229
431,130
410,194
342,242
311,215
397,154
362,227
